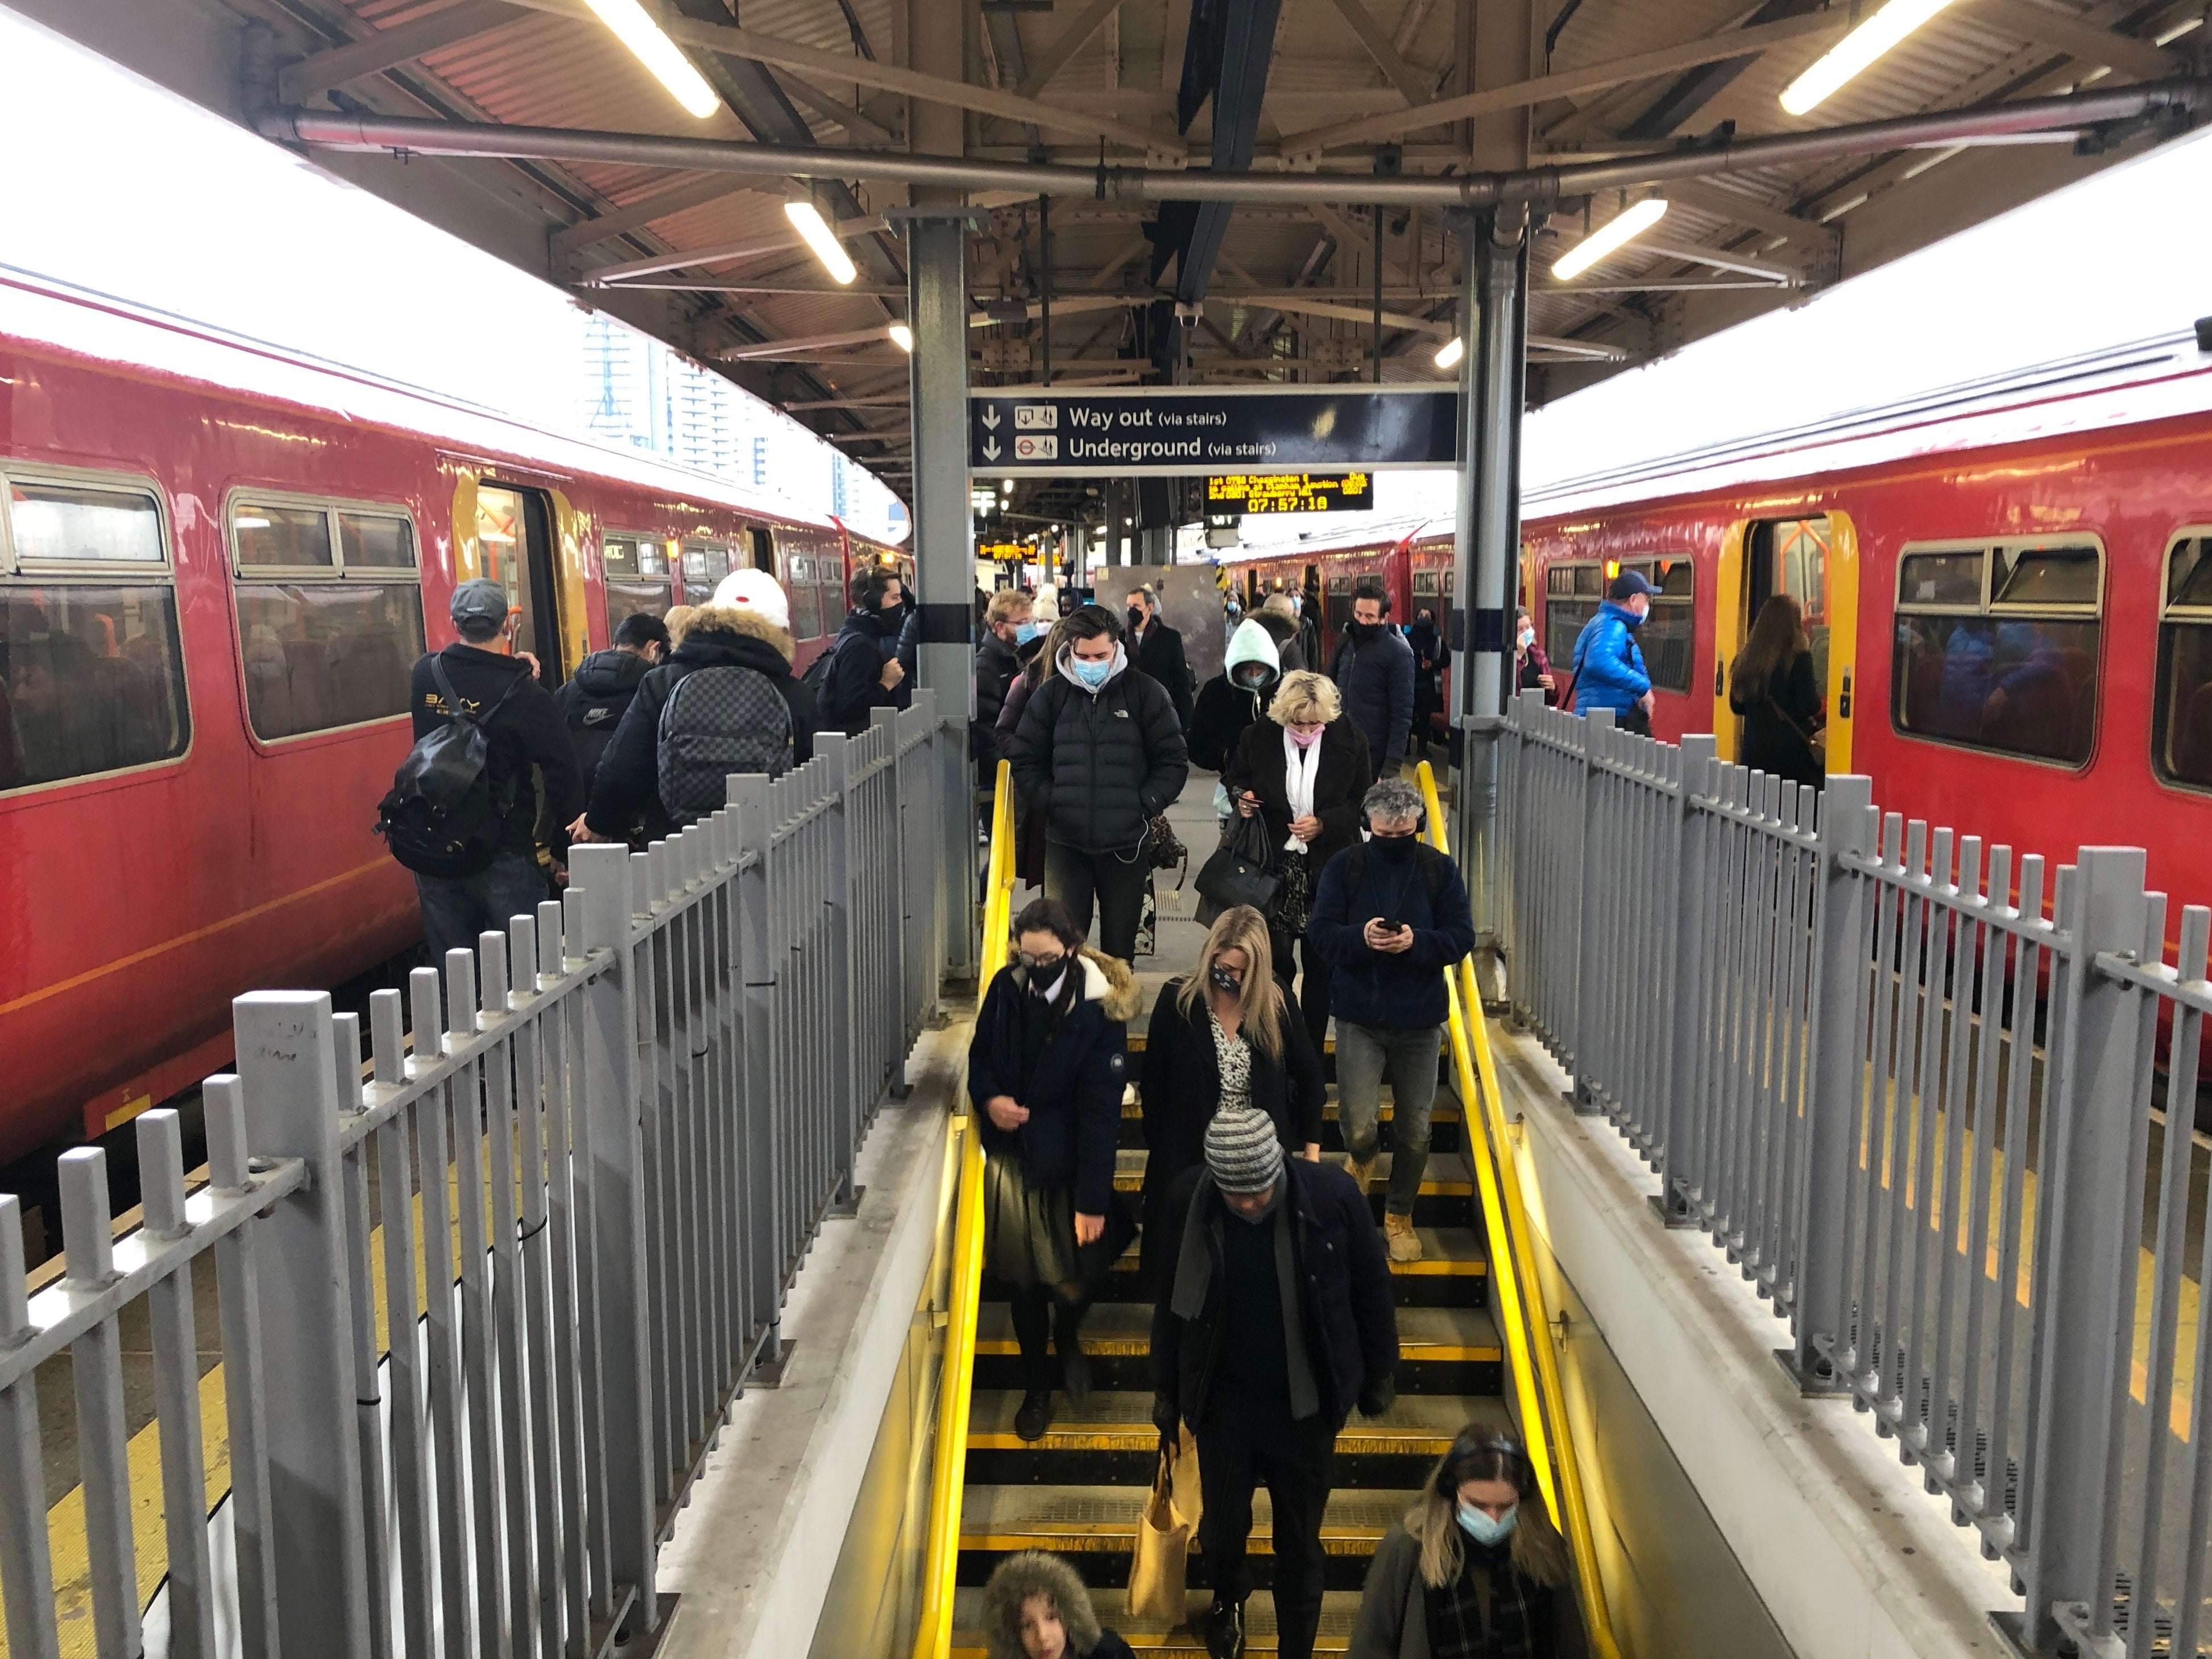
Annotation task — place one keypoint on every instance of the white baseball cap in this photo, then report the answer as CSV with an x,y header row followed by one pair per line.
x,y
754,590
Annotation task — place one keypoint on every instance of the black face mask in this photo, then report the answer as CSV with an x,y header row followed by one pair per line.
x,y
1224,979
1391,849
1136,619
1364,631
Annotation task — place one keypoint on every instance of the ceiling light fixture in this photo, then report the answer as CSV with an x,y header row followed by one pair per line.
x,y
1450,353
1623,227
634,26
807,219
1856,51
902,337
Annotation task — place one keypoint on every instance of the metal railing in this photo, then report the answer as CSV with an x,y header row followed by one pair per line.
x,y
1919,1113
575,1198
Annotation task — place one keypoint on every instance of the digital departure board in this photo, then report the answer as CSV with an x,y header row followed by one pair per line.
x,y
1005,552
1290,492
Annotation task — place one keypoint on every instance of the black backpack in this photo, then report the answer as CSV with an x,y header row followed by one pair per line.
x,y
444,815
717,721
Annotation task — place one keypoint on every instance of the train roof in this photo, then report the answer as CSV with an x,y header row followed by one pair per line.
x,y
2029,325
42,313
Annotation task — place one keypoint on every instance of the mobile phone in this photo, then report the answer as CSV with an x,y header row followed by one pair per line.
x,y
1388,924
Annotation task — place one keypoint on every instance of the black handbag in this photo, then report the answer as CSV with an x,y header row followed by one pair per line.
x,y
1237,872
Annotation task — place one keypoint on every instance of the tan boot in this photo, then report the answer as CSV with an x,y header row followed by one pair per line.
x,y
1398,1233
1360,1173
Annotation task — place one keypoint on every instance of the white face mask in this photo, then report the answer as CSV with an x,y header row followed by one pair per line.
x,y
1528,638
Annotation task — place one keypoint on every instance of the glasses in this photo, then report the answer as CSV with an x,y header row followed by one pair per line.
x,y
1041,965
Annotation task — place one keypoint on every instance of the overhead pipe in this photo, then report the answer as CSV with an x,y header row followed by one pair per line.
x,y
2183,98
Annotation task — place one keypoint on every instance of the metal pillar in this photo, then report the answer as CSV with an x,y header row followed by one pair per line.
x,y
1494,321
944,540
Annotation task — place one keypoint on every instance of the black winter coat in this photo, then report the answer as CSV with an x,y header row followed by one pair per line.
x,y
594,699
1401,990
1777,726
1180,1089
1340,783
628,784
1158,652
1101,763
1377,679
526,745
1219,718
1347,1307
856,683
996,666
1074,1094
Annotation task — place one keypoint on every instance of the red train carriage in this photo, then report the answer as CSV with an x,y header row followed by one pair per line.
x,y
216,567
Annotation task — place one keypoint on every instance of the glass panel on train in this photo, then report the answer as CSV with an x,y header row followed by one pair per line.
x,y
764,546
1945,579
805,599
2045,576
324,654
373,542
1791,555
631,587
291,538
57,522
91,681
2022,685
704,566
2181,717
503,539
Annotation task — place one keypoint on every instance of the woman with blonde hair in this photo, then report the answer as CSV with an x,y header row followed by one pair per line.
x,y
1475,1568
1221,1036
1304,770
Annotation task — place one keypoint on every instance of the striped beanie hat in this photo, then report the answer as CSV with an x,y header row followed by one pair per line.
x,y
1241,1150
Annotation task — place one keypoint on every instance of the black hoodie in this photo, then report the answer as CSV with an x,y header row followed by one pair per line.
x,y
628,784
595,699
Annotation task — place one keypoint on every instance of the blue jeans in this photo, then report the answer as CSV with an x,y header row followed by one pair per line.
x,y
456,909
1364,1055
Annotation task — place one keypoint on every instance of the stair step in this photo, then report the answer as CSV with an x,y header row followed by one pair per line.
x,y
1416,1426
1102,1520
1447,1175
1124,1329
1339,1609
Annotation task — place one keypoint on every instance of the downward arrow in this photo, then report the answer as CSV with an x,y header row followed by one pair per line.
x,y
990,449
991,417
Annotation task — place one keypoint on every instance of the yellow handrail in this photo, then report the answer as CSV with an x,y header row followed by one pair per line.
x,y
1524,1314
933,1637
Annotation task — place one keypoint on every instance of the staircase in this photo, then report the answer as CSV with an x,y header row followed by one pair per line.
x,y
1080,1490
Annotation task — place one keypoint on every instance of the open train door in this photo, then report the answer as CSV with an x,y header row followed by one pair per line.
x,y
510,533
1815,559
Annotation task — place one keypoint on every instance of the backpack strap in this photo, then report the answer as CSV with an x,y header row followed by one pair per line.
x,y
454,698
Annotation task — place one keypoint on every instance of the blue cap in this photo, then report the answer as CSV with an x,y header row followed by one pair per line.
x,y
1627,585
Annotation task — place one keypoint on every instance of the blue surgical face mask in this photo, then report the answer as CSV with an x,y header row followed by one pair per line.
x,y
1092,674
1480,1526
1025,632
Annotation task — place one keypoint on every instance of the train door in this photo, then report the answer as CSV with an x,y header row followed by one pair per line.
x,y
1814,560
514,545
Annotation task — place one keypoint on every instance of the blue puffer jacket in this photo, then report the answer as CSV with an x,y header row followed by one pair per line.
x,y
1609,672
1074,1092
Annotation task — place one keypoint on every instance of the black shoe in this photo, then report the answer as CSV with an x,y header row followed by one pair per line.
x,y
1035,1417
1075,1372
1225,1631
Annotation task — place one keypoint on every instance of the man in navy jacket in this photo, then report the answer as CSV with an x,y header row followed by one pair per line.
x,y
1391,917
1374,668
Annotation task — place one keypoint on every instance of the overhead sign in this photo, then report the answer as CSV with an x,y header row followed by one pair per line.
x,y
1290,492
1165,431
1009,552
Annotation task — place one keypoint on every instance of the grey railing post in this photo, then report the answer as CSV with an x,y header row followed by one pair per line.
x,y
755,971
1838,1074
1591,734
615,1166
1678,1157
286,1065
2085,1254
835,751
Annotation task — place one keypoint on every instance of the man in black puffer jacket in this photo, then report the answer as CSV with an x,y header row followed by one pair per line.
x,y
747,625
1099,748
598,693
1275,1318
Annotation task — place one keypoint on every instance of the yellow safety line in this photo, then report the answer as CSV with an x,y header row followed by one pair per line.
x,y
933,1635
1471,1038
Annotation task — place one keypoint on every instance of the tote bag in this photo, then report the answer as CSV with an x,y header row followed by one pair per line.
x,y
1237,872
1159,1583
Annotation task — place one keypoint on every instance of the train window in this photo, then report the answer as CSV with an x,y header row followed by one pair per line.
x,y
2016,672
295,537
1669,632
1336,608
91,671
704,566
764,545
2181,718
1571,593
805,597
634,573
330,643
1791,556
1425,584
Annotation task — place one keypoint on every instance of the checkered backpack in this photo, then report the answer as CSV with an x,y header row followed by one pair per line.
x,y
717,721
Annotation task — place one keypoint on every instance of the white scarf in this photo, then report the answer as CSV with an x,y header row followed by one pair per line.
x,y
1299,767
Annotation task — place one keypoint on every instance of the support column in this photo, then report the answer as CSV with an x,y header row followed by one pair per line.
x,y
1494,317
943,539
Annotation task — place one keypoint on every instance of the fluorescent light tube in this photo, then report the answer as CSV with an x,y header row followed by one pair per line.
x,y
808,219
902,337
634,28
1450,353
1623,227
1857,51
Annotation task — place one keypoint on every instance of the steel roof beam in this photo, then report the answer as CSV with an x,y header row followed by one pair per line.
x,y
1069,41
2078,37
383,49
1410,85
661,204
1694,90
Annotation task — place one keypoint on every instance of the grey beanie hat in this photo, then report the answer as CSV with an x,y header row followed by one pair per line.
x,y
1242,1152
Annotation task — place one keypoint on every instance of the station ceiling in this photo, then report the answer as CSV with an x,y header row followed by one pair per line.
x,y
710,261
